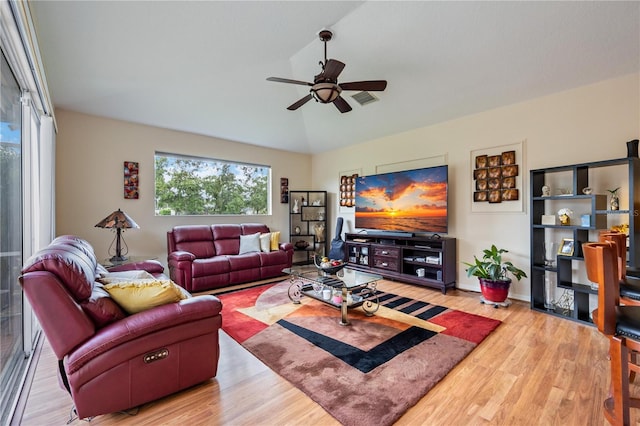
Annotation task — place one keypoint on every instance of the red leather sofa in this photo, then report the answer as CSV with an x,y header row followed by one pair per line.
x,y
110,361
203,257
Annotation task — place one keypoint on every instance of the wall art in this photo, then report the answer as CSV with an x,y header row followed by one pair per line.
x,y
131,182
284,190
497,179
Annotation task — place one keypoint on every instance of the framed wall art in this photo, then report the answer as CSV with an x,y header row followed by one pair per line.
x,y
284,190
497,179
131,183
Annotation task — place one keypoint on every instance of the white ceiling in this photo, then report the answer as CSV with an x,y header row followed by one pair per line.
x,y
201,66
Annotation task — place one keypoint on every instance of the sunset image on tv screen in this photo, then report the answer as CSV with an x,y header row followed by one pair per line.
x,y
411,200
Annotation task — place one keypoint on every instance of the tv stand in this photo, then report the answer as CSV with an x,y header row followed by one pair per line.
x,y
403,258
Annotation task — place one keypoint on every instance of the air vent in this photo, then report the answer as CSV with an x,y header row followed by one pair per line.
x,y
364,98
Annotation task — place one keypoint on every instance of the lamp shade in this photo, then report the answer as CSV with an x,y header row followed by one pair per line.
x,y
117,219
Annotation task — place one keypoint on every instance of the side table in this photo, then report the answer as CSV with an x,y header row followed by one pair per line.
x,y
108,263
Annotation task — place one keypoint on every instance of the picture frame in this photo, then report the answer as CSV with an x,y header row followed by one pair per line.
x,y
480,196
495,160
509,157
480,174
566,248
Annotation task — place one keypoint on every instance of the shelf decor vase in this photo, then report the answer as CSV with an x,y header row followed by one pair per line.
x,y
494,291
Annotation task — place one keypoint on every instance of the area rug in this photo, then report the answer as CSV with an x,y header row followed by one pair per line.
x,y
370,372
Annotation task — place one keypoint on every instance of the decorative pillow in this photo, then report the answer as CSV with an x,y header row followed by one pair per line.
x,y
275,240
124,276
265,242
140,295
249,243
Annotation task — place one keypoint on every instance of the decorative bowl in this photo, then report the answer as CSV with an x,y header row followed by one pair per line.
x,y
331,270
301,244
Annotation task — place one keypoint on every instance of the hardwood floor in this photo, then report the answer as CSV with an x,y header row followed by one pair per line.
x,y
535,369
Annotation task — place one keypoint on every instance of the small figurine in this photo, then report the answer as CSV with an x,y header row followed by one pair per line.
x,y
546,191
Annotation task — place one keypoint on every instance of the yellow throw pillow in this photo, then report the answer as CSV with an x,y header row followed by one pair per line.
x,y
275,240
140,295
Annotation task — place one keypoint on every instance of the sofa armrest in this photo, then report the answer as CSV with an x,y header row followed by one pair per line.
x,y
180,256
145,323
62,319
151,266
286,246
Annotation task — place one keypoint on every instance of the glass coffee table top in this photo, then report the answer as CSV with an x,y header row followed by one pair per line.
x,y
348,289
346,277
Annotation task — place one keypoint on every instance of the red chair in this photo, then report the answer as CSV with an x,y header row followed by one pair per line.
x,y
629,288
110,361
620,324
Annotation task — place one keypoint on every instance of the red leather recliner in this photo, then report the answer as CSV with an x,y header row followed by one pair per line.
x,y
110,361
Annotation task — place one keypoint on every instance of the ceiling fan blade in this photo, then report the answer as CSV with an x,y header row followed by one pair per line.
x,y
286,80
299,103
370,86
342,105
332,69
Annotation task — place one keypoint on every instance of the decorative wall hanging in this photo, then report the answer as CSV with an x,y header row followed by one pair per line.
x,y
497,179
348,190
131,180
284,190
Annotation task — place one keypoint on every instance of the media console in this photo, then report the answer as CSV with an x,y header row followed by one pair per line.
x,y
426,261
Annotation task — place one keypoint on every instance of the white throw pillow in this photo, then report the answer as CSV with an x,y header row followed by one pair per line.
x,y
249,243
265,242
114,277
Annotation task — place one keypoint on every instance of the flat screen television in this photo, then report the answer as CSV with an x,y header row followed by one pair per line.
x,y
413,201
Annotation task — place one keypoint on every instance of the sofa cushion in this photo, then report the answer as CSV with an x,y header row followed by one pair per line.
x,y
249,243
101,308
140,295
252,228
226,238
212,266
277,257
265,242
244,261
195,239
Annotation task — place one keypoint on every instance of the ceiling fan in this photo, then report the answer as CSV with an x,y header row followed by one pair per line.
x,y
325,87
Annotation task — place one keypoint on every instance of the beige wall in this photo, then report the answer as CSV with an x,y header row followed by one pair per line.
x,y
89,179
587,124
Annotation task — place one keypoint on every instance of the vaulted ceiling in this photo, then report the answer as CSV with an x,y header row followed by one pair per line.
x,y
201,66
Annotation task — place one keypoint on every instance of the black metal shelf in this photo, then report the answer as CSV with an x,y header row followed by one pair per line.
x,y
599,212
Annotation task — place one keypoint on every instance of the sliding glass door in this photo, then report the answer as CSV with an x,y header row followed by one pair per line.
x,y
12,352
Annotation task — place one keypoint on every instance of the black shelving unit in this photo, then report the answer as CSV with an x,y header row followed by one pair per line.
x,y
308,224
596,207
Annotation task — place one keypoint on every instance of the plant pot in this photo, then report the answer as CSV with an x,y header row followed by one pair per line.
x,y
494,291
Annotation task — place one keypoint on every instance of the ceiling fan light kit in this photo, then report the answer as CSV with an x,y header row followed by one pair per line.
x,y
325,87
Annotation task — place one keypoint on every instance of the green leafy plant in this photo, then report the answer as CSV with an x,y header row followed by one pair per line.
x,y
614,191
492,267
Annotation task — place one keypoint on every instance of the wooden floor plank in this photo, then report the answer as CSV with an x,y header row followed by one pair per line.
x,y
535,369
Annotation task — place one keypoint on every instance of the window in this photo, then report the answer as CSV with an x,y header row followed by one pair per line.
x,y
187,186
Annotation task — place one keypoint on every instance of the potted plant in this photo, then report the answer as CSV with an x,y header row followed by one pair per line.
x,y
493,274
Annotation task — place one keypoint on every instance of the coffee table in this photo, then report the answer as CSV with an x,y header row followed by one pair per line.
x,y
352,289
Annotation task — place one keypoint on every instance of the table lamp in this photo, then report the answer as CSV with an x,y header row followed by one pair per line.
x,y
118,221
